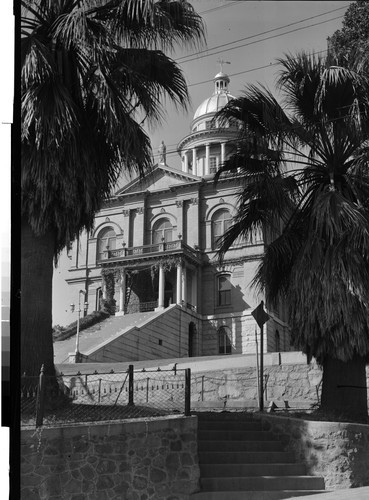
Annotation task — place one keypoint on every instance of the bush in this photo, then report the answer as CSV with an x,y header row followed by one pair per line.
x,y
61,333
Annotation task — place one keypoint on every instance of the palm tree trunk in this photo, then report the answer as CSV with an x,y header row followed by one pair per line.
x,y
37,254
344,389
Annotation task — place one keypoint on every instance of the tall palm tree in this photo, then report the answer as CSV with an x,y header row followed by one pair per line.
x,y
305,167
93,71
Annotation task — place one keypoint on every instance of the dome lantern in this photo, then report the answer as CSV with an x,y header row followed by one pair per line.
x,y
221,81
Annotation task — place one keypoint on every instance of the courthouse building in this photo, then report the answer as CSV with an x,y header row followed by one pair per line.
x,y
153,251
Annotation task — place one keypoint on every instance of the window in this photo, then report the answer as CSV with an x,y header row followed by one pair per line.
x,y
224,340
277,341
213,164
106,241
162,229
221,221
224,291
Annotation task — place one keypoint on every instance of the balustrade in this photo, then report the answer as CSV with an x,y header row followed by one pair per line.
x,y
169,246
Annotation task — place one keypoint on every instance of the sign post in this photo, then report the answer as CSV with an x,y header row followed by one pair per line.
x,y
261,317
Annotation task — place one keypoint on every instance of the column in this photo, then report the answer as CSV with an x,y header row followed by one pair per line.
x,y
222,152
185,162
194,166
194,288
207,159
125,226
208,245
161,288
184,285
179,284
122,293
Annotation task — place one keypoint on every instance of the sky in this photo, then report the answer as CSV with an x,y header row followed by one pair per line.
x,y
248,35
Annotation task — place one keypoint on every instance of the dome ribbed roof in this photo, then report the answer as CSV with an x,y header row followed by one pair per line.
x,y
213,104
218,100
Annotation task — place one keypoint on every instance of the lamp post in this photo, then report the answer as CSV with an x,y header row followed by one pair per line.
x,y
85,306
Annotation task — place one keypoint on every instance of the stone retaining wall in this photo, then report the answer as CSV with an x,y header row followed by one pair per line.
x,y
337,451
140,460
293,383
287,377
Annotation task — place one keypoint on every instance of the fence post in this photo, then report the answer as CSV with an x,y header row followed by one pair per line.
x,y
187,392
202,388
130,385
99,390
40,398
147,389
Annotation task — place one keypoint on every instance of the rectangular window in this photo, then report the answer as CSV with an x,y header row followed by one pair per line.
x,y
224,291
213,164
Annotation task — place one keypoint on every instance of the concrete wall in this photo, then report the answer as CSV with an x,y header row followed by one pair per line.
x,y
337,451
147,459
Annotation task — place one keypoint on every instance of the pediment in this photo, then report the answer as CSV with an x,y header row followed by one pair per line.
x,y
160,178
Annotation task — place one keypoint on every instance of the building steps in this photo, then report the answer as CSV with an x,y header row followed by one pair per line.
x,y
240,460
91,337
253,495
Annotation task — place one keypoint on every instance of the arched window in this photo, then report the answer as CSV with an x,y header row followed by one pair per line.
x,y
162,229
106,241
224,291
220,222
224,340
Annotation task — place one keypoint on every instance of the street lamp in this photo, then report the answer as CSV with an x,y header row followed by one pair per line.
x,y
72,307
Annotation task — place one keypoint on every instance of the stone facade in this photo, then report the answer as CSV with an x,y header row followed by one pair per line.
x,y
137,460
337,451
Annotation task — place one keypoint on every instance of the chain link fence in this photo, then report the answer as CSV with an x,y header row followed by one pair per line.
x,y
104,396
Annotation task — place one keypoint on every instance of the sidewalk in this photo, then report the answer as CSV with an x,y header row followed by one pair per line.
x,y
351,494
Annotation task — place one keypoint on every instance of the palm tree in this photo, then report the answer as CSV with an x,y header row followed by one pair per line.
x,y
305,167
93,72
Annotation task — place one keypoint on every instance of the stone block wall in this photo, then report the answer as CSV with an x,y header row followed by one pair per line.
x,y
337,451
287,377
136,460
294,383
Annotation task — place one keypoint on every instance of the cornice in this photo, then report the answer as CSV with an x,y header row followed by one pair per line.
x,y
216,133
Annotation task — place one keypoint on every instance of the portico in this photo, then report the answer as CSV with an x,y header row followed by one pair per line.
x,y
153,280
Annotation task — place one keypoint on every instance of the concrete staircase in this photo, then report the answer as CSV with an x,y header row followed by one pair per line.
x,y
240,460
108,329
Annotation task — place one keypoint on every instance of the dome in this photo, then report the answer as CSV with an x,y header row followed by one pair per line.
x,y
218,100
213,104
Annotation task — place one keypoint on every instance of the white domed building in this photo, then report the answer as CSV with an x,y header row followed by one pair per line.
x,y
205,148
153,254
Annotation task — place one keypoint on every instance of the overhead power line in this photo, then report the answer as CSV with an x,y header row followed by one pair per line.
x,y
251,70
259,34
261,40
228,4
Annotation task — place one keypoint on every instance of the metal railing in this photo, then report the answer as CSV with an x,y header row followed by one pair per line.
x,y
137,251
97,396
140,307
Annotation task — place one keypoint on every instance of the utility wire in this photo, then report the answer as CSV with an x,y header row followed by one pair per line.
x,y
297,126
252,69
229,4
262,40
258,34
